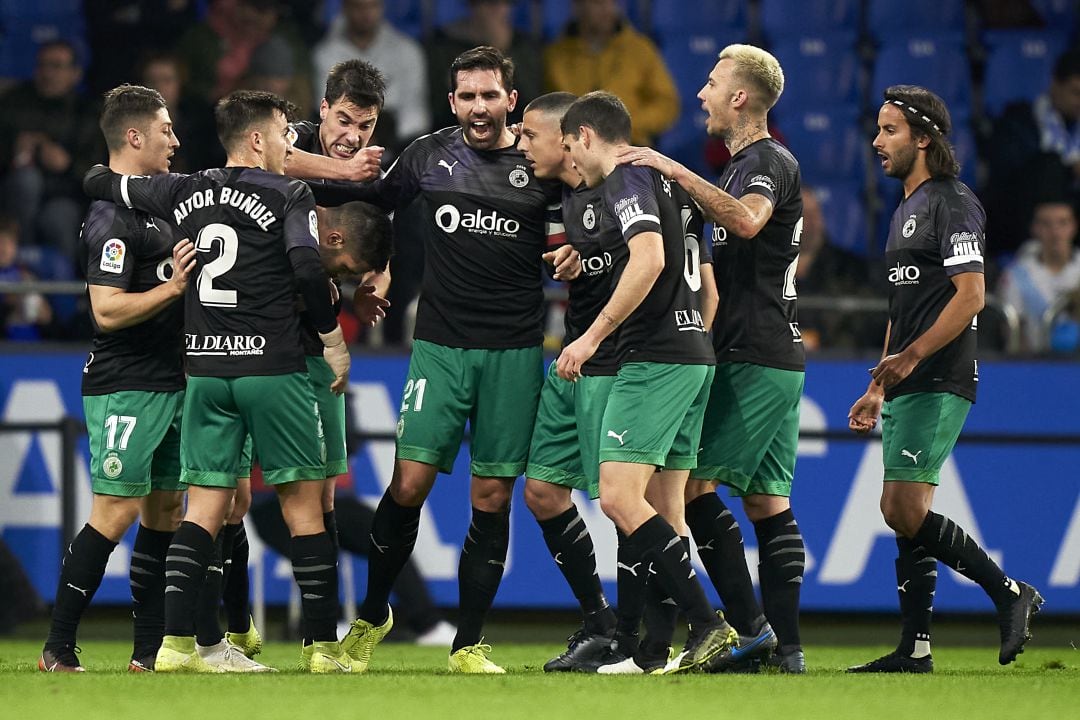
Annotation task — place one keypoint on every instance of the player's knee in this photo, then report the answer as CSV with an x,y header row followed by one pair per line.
x,y
545,500
697,488
901,519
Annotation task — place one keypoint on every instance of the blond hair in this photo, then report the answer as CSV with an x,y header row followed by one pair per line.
x,y
758,68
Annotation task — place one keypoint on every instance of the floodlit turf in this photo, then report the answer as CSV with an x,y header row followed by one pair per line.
x,y
411,682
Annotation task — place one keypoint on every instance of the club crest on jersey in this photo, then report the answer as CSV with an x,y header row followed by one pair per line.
x,y
518,177
588,218
909,227
112,256
111,466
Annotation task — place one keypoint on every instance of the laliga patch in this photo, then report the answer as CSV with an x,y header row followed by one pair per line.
x,y
112,256
313,225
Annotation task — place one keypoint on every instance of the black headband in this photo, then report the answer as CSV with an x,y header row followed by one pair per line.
x,y
917,114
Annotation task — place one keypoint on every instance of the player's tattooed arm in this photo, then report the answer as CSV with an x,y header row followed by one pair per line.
x,y
744,216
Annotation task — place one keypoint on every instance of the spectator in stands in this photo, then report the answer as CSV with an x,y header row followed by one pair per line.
x,y
489,22
601,51
1046,270
24,316
47,141
828,271
361,31
217,53
192,117
1035,153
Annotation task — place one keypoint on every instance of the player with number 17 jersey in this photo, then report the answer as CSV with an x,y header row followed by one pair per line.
x,y
241,318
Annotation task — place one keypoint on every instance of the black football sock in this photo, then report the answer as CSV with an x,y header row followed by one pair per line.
x,y
720,547
208,630
480,570
916,582
571,546
190,552
671,561
147,579
236,592
314,562
947,541
782,560
661,616
330,524
393,536
631,579
80,576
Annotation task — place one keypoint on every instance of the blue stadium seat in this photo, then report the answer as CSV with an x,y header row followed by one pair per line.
x,y
788,19
555,15
829,144
1057,13
819,70
447,11
21,37
937,62
405,15
691,57
843,205
673,18
967,153
1019,66
54,10
889,19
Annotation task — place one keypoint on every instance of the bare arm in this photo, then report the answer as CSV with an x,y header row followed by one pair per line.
x,y
710,297
644,266
863,415
955,317
115,309
361,167
744,216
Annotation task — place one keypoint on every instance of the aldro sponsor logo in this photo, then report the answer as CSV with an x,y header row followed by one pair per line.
x,y
904,274
596,264
225,345
450,219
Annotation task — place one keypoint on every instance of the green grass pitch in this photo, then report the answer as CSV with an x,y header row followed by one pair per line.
x,y
411,682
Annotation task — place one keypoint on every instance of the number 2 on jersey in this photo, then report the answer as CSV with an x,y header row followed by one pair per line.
x,y
411,387
208,237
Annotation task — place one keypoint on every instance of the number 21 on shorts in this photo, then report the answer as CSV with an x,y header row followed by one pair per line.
x,y
412,387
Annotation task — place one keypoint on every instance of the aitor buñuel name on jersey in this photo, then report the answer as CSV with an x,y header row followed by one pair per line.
x,y
240,309
595,234
937,232
758,319
132,251
486,221
668,326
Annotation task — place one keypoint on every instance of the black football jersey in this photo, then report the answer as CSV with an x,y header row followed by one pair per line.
x,y
132,251
935,233
757,321
486,222
593,232
667,327
240,310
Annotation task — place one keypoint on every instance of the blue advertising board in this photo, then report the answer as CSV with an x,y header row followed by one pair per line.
x,y
1020,500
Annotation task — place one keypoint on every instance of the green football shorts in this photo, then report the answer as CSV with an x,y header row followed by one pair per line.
x,y
332,413
654,414
918,432
751,433
565,447
278,411
134,441
495,391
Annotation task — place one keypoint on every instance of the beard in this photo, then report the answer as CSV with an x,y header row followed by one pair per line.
x,y
901,162
489,138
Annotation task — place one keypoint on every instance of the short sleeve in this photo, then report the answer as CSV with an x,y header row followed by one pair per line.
x,y
633,202
301,222
110,248
959,223
761,175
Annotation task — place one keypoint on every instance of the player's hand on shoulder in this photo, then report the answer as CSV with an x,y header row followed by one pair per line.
x,y
183,255
646,157
365,165
368,306
566,262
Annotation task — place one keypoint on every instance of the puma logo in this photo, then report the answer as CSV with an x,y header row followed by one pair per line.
x,y
617,436
706,546
558,561
84,592
377,546
632,569
914,458
903,588
449,168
